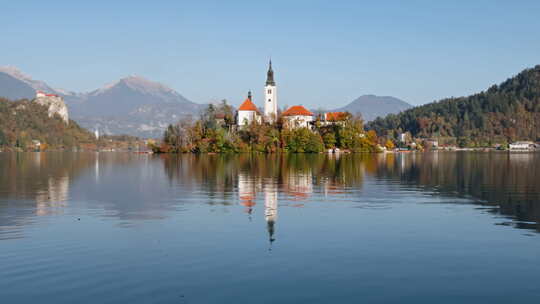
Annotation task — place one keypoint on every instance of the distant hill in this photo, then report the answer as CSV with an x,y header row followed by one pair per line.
x,y
23,121
131,95
506,112
372,106
131,105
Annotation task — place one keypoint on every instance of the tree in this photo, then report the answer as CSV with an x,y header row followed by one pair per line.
x,y
3,139
503,113
205,135
315,143
329,140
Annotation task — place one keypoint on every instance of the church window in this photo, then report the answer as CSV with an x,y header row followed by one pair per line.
x,y
269,100
269,91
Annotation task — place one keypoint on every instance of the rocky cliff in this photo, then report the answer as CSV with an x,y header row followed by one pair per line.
x,y
55,105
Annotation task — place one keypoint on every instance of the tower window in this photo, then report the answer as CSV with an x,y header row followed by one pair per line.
x,y
269,91
269,100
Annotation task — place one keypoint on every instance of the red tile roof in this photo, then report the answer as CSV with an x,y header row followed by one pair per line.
x,y
297,110
335,116
50,95
247,105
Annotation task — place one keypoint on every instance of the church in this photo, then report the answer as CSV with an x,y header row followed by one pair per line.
x,y
293,117
248,112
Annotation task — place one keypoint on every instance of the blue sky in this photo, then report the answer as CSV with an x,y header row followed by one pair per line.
x,y
325,53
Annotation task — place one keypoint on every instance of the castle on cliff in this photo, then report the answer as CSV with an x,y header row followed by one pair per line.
x,y
54,103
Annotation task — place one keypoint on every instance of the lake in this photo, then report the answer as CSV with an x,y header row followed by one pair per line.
x,y
446,227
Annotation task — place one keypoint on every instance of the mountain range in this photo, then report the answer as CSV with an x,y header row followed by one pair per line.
x,y
372,106
16,85
132,105
136,106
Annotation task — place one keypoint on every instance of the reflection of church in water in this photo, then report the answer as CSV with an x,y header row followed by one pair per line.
x,y
296,186
270,208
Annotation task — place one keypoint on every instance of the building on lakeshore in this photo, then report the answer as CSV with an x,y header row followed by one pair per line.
x,y
522,145
36,145
333,118
248,112
402,137
297,117
220,119
430,143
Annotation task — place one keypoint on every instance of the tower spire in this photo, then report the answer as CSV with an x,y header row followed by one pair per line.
x,y
270,74
270,95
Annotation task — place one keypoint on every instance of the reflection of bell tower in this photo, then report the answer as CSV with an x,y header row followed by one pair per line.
x,y
270,209
96,167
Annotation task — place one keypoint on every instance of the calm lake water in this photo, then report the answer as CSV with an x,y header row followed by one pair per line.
x,y
444,227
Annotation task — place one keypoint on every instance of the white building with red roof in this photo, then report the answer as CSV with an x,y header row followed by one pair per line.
x,y
248,113
332,118
43,94
54,103
297,117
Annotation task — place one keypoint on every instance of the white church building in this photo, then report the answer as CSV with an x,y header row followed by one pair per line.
x,y
297,117
294,117
248,113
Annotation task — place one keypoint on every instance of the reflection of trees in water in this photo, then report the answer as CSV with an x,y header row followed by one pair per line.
x,y
54,198
295,174
40,176
508,181
36,183
217,174
126,185
253,175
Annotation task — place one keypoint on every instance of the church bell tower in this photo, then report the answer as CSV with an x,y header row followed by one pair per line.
x,y
270,96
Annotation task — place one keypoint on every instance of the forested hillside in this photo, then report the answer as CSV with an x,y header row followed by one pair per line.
x,y
506,112
23,121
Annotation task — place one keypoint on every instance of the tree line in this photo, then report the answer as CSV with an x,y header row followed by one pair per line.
x,y
23,122
215,131
504,113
